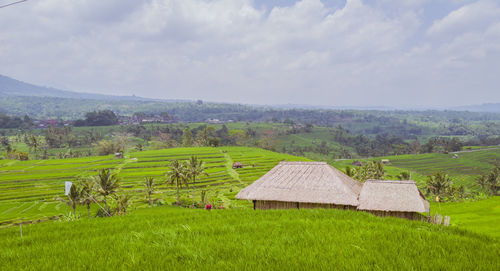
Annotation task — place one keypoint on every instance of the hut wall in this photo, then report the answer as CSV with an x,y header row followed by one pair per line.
x,y
308,205
265,205
406,215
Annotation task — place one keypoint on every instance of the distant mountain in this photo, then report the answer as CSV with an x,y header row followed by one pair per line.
x,y
328,107
489,107
11,87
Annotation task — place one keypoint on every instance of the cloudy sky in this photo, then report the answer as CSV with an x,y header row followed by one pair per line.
x,y
329,52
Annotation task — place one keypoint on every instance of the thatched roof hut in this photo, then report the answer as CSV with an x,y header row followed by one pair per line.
x,y
395,198
303,185
237,165
357,163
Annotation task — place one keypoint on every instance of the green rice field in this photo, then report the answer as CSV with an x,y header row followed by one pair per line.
x,y
28,188
481,216
171,238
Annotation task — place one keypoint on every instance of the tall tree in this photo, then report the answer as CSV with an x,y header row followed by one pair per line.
x,y
149,187
87,193
177,175
490,181
371,170
187,138
107,184
5,143
403,176
73,197
195,168
438,184
122,203
34,143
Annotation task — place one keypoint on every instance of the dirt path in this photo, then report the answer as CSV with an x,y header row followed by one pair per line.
x,y
485,149
229,168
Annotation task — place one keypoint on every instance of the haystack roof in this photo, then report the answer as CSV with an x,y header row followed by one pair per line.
x,y
396,196
312,182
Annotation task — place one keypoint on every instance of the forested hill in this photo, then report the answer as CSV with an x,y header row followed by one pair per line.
x,y
489,107
11,87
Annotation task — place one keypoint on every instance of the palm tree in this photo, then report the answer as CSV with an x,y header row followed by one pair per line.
x,y
34,143
482,182
123,201
150,187
74,197
88,189
403,176
195,168
107,184
438,183
350,171
494,181
177,175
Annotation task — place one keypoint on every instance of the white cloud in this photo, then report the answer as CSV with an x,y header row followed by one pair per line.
x,y
471,17
233,50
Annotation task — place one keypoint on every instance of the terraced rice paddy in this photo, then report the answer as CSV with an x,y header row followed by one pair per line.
x,y
28,188
464,169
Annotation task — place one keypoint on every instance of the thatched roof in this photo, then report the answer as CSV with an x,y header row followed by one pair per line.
x,y
357,163
396,196
314,182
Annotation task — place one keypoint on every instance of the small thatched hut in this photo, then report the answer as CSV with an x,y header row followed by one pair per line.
x,y
303,185
393,198
357,163
237,165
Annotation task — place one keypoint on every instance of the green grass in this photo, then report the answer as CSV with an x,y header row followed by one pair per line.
x,y
170,238
28,184
478,216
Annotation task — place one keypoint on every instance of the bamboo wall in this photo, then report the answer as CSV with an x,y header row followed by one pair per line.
x,y
265,205
406,215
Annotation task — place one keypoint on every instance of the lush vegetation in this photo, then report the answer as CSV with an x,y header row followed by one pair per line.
x,y
314,142
187,239
29,190
98,118
479,128
9,122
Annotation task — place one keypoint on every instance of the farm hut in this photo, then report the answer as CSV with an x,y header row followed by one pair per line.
x,y
357,163
385,161
119,155
303,185
393,198
237,165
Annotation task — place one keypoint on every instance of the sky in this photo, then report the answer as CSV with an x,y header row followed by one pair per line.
x,y
310,52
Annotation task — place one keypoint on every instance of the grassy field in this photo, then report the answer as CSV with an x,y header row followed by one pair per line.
x,y
28,188
240,239
479,216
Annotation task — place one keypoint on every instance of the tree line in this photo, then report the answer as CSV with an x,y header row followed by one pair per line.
x,y
439,186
